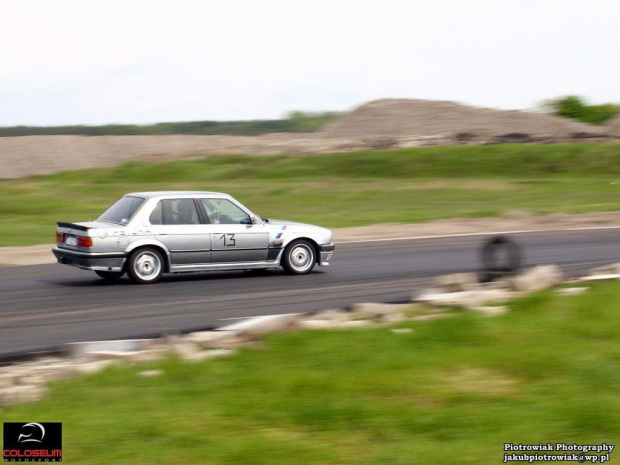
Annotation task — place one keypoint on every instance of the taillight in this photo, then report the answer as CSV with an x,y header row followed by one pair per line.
x,y
85,241
58,237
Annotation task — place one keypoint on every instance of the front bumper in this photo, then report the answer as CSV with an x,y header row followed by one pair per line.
x,y
89,260
326,254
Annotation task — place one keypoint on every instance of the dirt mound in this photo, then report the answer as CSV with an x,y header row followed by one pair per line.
x,y
403,118
613,127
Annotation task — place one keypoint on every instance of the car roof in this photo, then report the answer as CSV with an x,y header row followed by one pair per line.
x,y
155,194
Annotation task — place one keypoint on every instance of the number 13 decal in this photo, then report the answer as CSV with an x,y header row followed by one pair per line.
x,y
231,240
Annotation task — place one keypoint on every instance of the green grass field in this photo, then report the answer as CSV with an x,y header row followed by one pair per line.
x,y
403,186
452,391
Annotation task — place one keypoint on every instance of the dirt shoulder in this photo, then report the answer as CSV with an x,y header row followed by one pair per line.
x,y
510,221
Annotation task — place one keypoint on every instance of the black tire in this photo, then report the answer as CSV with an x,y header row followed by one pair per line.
x,y
299,257
110,275
145,265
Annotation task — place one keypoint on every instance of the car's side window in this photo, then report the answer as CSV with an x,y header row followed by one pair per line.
x,y
175,211
157,215
223,211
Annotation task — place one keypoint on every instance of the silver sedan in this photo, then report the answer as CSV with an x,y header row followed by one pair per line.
x,y
146,234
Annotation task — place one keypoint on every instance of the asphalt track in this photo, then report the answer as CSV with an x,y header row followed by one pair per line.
x,y
44,306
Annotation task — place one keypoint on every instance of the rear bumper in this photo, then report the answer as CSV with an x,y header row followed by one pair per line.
x,y
326,254
90,261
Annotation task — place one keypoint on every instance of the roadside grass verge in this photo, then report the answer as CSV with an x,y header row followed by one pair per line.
x,y
350,189
452,391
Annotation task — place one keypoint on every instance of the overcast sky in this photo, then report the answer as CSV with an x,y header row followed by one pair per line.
x,y
129,61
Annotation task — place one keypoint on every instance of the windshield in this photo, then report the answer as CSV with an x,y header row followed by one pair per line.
x,y
122,211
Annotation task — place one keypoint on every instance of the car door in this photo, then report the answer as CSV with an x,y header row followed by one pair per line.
x,y
178,224
234,238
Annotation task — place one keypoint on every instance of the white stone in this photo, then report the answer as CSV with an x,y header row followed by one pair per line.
x,y
467,299
377,310
262,324
19,394
402,330
491,311
331,315
327,324
601,277
150,373
537,278
94,367
569,291
391,318
84,350
456,282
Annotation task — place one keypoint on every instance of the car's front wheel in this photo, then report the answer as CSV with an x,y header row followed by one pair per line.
x,y
145,265
299,257
110,275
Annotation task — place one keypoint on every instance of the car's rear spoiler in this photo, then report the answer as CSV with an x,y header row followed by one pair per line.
x,y
79,227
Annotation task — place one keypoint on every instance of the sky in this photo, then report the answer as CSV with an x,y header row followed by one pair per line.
x,y
134,61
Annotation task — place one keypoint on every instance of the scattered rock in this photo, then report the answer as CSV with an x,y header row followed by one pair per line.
x,y
402,330
568,291
262,324
456,282
491,311
537,278
330,315
150,373
601,277
613,268
467,299
20,394
377,310
96,349
94,367
328,324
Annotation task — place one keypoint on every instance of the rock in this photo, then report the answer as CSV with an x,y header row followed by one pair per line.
x,y
377,310
456,282
331,315
537,278
568,291
85,350
467,299
262,324
433,316
611,269
20,394
94,367
402,330
139,356
150,373
209,338
601,277
491,311
327,324
390,318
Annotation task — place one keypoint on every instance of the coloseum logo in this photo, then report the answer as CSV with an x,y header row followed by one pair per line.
x,y
32,442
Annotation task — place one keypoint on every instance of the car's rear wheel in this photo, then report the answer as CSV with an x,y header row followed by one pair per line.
x,y
299,257
110,275
145,265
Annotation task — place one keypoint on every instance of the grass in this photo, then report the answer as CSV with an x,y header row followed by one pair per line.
x,y
452,391
352,189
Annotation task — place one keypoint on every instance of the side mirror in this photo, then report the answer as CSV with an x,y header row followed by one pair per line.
x,y
254,219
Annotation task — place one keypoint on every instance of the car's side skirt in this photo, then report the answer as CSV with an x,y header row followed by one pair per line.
x,y
224,266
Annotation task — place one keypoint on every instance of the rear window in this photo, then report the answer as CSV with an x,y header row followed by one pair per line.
x,y
122,211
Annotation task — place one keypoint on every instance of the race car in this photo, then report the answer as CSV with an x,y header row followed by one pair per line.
x,y
146,234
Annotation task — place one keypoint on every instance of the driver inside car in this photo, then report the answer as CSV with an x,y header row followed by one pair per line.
x,y
186,212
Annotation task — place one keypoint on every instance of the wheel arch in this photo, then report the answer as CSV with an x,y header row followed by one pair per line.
x,y
159,247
